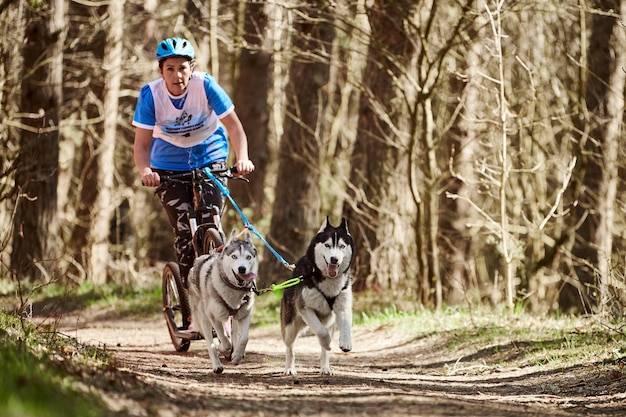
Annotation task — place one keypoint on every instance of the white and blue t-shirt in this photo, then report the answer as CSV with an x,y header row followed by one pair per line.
x,y
186,129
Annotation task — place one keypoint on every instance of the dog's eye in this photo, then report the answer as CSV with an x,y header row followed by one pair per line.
x,y
327,246
248,257
233,256
342,246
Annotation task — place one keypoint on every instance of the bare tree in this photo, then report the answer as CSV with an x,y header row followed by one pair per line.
x,y
513,199
250,97
507,242
104,204
11,37
347,67
397,165
582,291
379,181
611,136
295,213
390,105
36,250
87,89
468,268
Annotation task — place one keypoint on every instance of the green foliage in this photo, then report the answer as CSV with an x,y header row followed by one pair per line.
x,y
31,383
488,340
267,309
372,306
132,300
127,298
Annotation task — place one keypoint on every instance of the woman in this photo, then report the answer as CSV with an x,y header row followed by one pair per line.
x,y
180,120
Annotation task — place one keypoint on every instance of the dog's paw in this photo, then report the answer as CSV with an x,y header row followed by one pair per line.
x,y
218,370
226,350
291,371
325,370
237,357
345,345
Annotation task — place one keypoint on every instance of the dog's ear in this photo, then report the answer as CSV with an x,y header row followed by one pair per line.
x,y
344,225
248,237
325,225
233,235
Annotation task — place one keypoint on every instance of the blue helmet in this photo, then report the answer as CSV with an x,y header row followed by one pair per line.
x,y
174,47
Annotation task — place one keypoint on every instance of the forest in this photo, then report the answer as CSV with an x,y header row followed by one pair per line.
x,y
474,146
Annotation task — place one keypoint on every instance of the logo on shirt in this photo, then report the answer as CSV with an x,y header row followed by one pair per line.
x,y
183,125
184,119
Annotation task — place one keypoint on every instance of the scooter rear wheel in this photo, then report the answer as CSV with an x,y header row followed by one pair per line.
x,y
175,305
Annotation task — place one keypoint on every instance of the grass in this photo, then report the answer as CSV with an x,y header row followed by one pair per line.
x,y
492,339
33,381
60,299
42,372
485,339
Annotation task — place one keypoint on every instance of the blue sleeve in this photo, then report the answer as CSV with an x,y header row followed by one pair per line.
x,y
144,112
218,99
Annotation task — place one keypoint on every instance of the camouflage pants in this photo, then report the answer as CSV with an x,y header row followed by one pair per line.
x,y
177,200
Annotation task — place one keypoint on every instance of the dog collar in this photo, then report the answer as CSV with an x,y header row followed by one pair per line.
x,y
246,288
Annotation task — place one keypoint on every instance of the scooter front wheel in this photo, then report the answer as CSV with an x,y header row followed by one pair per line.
x,y
212,240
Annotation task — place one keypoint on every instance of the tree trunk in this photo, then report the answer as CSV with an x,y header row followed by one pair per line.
x,y
214,61
466,265
507,241
379,164
250,97
348,61
104,205
583,295
295,213
36,250
91,135
611,136
14,26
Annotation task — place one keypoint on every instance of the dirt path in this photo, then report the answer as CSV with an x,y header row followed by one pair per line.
x,y
388,373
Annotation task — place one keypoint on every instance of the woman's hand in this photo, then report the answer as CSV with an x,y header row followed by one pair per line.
x,y
244,166
149,178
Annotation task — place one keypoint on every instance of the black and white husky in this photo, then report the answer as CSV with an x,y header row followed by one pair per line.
x,y
324,295
221,286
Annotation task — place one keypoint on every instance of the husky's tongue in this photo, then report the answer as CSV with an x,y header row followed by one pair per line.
x,y
247,277
332,270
